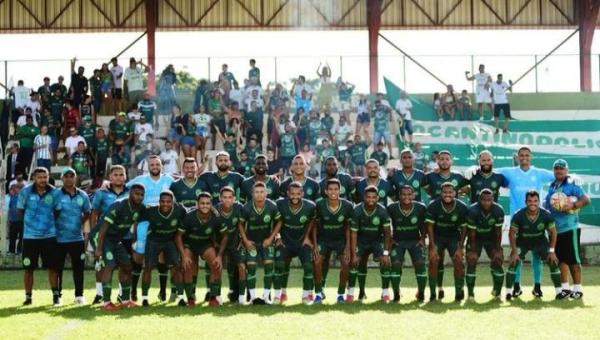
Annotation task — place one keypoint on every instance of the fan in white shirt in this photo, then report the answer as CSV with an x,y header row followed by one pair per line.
x,y
142,129
169,159
483,81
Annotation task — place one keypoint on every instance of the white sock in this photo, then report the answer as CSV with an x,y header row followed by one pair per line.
x,y
242,299
180,296
578,288
144,298
385,292
120,290
278,293
99,288
565,286
252,294
107,303
305,293
320,294
558,290
351,291
283,291
266,294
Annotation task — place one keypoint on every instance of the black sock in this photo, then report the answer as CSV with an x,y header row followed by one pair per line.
x,y
163,275
517,287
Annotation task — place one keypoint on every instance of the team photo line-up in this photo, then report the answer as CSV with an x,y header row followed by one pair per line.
x,y
234,224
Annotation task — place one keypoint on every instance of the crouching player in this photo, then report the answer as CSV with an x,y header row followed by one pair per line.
x,y
197,237
111,250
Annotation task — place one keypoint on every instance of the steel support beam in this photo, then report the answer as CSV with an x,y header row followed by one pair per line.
x,y
151,23
374,23
588,16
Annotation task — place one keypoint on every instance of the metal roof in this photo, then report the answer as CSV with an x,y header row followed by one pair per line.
x,y
119,15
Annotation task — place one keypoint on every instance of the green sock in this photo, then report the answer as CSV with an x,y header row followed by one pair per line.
x,y
126,288
207,274
510,276
421,273
497,278
194,283
470,278
440,275
268,275
325,271
106,291
179,287
145,288
285,276
251,279
433,286
352,278
362,278
555,275
214,289
278,275
459,283
308,280
396,277
385,277
242,286
173,285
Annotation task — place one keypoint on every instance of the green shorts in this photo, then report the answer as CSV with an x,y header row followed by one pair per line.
x,y
153,250
365,249
234,255
327,246
480,245
258,254
540,249
197,248
414,249
449,244
115,254
285,253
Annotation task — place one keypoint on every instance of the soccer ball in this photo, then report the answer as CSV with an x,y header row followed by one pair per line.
x,y
560,200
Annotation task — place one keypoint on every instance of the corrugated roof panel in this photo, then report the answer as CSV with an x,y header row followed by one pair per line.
x,y
392,15
283,12
244,13
133,13
69,17
523,12
176,13
352,13
455,12
558,13
420,12
215,15
489,12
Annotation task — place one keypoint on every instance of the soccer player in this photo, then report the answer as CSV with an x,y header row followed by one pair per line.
x,y
101,204
528,229
260,175
370,233
435,179
216,180
384,189
408,175
73,206
259,224
298,219
486,178
231,211
484,223
298,172
195,237
164,220
36,206
332,234
445,221
111,251
567,227
155,183
187,188
408,229
520,180
347,189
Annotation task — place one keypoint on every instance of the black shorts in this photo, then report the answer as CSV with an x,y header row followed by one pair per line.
x,y
505,108
117,93
219,124
567,247
153,250
46,248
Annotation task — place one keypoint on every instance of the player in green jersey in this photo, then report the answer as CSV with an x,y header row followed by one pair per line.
x,y
528,229
408,175
332,234
484,222
196,237
164,220
408,229
446,228
111,252
370,233
260,175
486,178
298,174
347,189
187,188
435,179
259,225
215,180
298,218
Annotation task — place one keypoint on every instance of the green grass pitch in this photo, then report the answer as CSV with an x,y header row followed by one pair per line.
x,y
482,319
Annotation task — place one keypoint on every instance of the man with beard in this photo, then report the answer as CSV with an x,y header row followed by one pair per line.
x,y
187,188
155,183
485,178
347,189
408,175
260,175
216,180
298,171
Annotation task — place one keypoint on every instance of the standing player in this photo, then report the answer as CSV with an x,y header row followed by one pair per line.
x,y
111,251
73,206
567,225
154,183
528,229
484,223
298,172
347,190
486,178
187,188
216,180
370,234
408,229
408,175
435,179
196,237
332,233
36,206
101,204
260,175
446,228
520,180
384,189
483,81
298,219
259,225
163,220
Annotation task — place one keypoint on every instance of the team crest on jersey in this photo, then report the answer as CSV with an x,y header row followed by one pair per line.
x,y
269,191
494,185
208,231
253,252
48,199
376,220
309,191
267,219
198,192
278,253
135,216
79,201
26,261
454,218
414,220
491,221
173,223
109,255
382,193
341,218
303,219
342,190
234,220
540,226
454,183
415,184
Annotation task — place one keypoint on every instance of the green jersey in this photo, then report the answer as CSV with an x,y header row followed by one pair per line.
x,y
295,222
89,134
359,153
370,226
120,218
102,148
331,223
231,149
162,227
215,182
314,131
492,181
380,156
27,134
384,190
327,123
326,152
80,163
347,188
434,182
199,234
532,231
248,186
381,119
416,180
287,143
485,222
447,222
56,106
120,130
259,223
407,225
252,152
186,193
231,220
310,186
147,108
53,122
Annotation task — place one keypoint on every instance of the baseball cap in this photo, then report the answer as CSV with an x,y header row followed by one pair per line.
x,y
68,170
560,163
123,114
406,150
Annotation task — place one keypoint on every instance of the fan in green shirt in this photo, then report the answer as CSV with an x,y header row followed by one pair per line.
x,y
27,133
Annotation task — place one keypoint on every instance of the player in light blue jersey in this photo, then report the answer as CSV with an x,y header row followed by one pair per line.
x,y
155,183
521,179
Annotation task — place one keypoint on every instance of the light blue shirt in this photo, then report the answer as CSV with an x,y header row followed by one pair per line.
x,y
564,221
71,210
519,182
38,212
153,188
